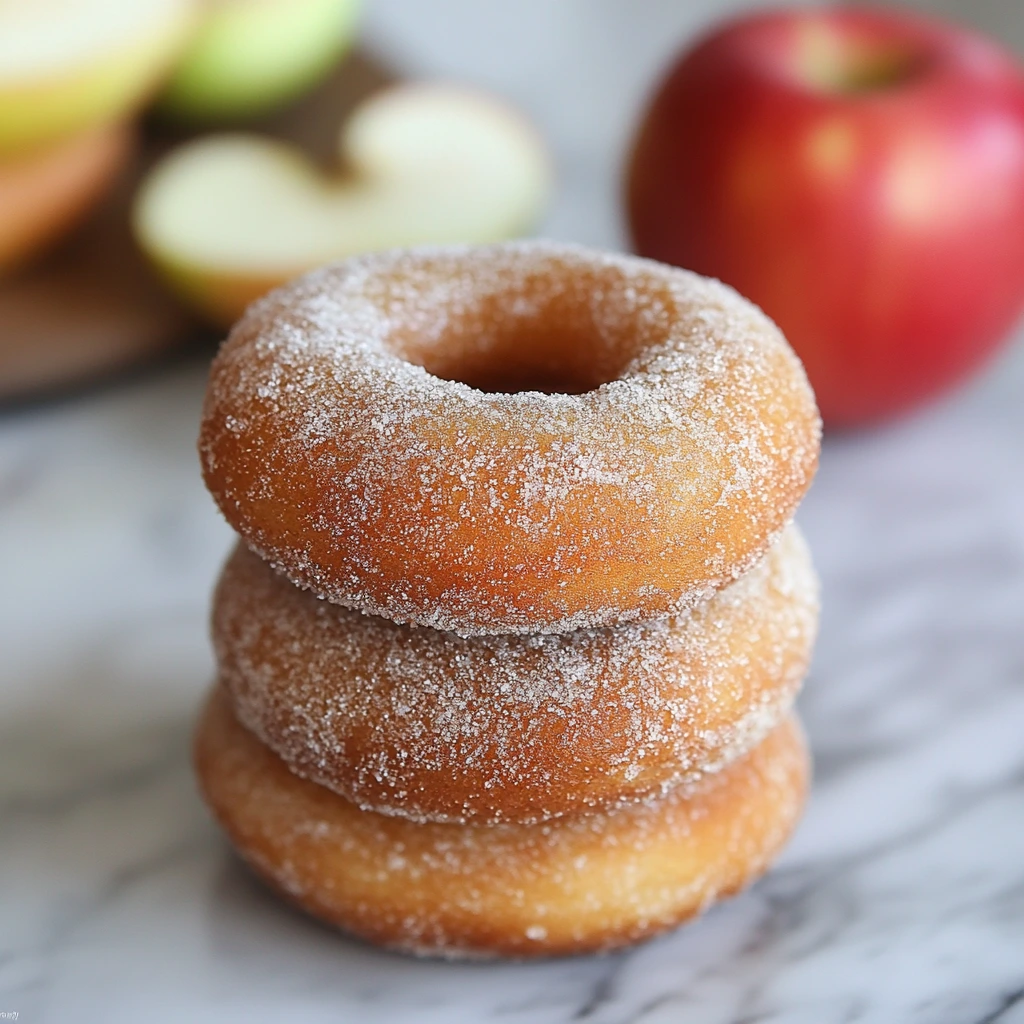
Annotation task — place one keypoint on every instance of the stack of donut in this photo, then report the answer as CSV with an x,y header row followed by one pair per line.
x,y
508,651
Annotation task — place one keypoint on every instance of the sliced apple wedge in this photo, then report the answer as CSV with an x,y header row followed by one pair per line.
x,y
227,217
248,56
44,194
69,65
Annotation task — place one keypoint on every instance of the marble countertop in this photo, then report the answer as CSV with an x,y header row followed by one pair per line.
x,y
901,898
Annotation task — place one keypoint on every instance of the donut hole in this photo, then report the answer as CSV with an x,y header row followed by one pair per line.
x,y
554,335
510,362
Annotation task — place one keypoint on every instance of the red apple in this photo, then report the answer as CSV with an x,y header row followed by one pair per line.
x,y
858,174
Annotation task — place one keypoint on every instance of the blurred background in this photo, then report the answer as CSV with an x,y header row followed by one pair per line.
x,y
901,897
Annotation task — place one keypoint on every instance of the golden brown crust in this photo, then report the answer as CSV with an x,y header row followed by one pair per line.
x,y
580,884
338,439
432,726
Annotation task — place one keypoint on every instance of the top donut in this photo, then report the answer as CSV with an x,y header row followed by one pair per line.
x,y
517,438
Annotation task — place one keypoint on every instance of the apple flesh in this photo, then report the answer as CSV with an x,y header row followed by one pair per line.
x,y
44,194
70,65
250,56
227,217
859,175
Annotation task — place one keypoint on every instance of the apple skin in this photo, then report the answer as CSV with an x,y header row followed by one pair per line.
x,y
219,298
249,56
860,176
43,195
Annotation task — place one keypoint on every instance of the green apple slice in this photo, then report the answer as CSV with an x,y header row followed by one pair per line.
x,y
226,217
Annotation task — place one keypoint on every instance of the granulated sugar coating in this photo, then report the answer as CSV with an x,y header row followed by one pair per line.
x,y
564,462
577,884
524,438
430,726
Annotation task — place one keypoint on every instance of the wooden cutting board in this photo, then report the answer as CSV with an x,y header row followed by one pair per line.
x,y
93,306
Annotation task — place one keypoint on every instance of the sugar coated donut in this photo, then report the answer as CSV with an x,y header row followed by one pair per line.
x,y
518,438
433,726
579,884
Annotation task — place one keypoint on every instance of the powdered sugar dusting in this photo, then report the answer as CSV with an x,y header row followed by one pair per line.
x,y
388,489
431,726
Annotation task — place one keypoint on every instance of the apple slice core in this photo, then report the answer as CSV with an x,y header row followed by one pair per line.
x,y
44,37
